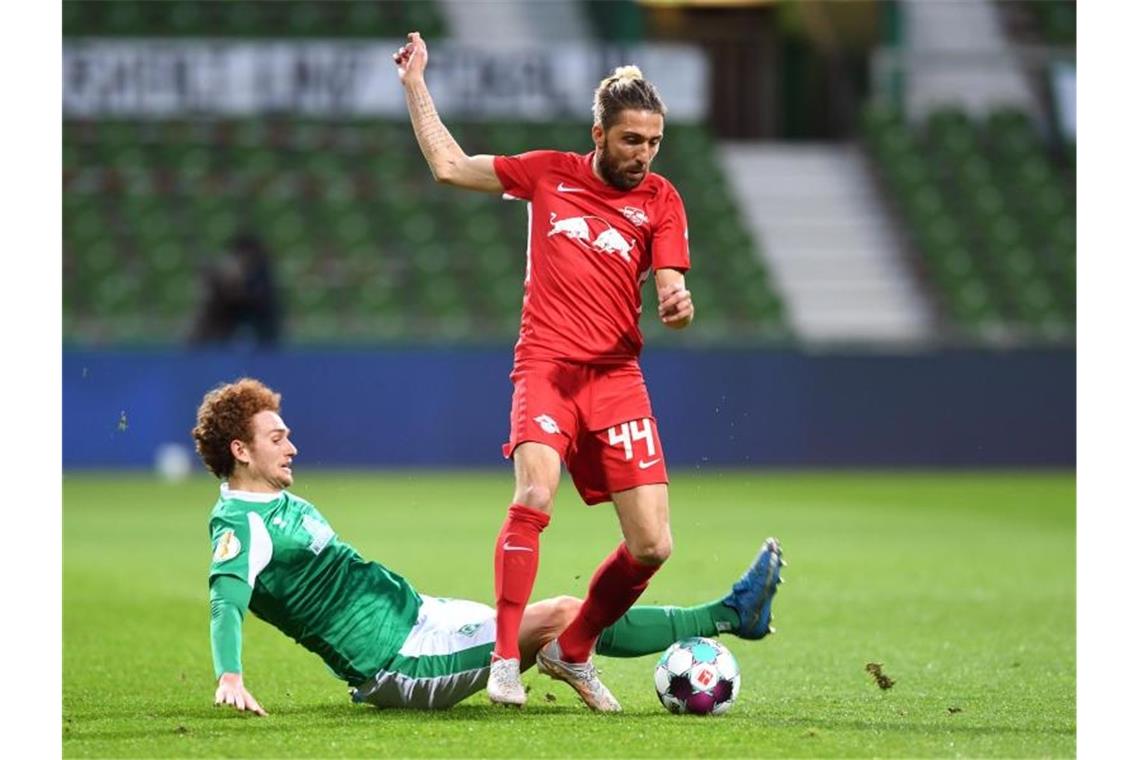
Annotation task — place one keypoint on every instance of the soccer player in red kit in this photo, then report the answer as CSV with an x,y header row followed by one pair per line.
x,y
600,224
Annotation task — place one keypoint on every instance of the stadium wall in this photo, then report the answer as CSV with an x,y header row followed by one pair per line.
x,y
716,408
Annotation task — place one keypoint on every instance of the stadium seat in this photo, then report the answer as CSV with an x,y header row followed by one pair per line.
x,y
988,209
331,200
251,18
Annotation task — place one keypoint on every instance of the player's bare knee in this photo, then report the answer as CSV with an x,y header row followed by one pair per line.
x,y
567,608
535,496
654,553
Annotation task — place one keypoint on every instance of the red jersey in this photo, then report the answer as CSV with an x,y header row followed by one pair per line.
x,y
589,249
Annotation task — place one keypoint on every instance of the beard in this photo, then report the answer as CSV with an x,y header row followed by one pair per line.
x,y
609,166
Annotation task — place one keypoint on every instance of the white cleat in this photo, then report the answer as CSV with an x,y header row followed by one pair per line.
x,y
504,684
582,677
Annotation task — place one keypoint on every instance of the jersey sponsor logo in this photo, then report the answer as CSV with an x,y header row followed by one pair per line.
x,y
567,189
547,423
320,533
578,229
574,227
611,241
228,546
637,216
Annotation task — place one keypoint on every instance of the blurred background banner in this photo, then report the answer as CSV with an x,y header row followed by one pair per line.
x,y
152,78
881,199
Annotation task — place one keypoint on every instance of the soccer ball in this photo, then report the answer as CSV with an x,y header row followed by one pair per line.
x,y
698,676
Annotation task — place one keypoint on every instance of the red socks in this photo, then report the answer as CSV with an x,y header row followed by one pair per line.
x,y
616,585
516,565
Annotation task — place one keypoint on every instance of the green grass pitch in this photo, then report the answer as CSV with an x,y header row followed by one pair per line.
x,y
961,585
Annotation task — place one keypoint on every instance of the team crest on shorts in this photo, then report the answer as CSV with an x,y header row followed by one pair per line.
x,y
470,629
228,547
547,423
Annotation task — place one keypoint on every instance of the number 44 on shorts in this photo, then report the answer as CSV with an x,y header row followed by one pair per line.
x,y
627,433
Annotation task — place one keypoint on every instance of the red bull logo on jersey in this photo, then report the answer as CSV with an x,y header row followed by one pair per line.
x,y
581,229
574,227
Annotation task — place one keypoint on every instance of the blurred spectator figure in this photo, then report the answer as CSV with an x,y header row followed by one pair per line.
x,y
239,296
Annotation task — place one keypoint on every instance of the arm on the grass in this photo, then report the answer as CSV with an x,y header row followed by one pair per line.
x,y
229,599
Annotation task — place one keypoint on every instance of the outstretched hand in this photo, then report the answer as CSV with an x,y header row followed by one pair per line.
x,y
231,691
411,59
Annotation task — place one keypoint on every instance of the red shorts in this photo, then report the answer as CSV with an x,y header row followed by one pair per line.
x,y
597,418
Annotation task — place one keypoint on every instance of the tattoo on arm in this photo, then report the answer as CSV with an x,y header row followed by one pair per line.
x,y
435,141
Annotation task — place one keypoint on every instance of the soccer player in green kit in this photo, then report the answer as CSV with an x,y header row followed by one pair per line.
x,y
275,555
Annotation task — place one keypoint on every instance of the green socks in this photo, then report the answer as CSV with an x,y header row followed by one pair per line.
x,y
649,630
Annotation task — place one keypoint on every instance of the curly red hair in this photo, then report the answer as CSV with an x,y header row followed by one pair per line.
x,y
225,415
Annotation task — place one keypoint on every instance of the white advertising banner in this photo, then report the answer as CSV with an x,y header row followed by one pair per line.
x,y
1065,98
105,78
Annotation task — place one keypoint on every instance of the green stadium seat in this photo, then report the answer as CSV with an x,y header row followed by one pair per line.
x,y
341,208
77,19
250,18
352,228
419,228
85,224
241,19
362,19
125,18
288,229
304,19
185,18
987,187
115,295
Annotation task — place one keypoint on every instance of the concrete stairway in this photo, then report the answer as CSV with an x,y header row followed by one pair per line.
x,y
831,247
508,23
958,54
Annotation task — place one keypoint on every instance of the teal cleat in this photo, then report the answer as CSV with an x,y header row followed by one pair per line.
x,y
751,596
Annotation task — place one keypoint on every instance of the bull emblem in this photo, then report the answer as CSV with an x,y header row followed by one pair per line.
x,y
611,241
573,227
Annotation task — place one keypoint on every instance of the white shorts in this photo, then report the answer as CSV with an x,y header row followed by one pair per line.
x,y
445,659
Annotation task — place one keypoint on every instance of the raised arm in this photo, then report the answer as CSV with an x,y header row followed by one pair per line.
x,y
674,301
229,598
447,161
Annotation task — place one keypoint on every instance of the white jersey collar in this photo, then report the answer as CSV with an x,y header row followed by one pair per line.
x,y
228,493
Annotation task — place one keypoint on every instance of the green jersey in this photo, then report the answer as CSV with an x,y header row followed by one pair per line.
x,y
309,584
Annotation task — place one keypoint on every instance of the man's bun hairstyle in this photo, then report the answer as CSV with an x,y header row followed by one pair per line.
x,y
626,88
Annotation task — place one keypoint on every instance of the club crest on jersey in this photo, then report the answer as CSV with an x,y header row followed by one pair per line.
x,y
592,233
228,547
547,423
635,215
